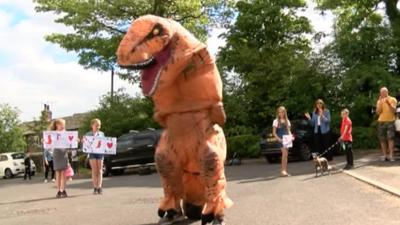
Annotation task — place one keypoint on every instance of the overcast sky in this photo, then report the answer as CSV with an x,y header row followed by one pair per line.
x,y
34,72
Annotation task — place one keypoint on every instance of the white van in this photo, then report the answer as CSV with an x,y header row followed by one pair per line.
x,y
12,164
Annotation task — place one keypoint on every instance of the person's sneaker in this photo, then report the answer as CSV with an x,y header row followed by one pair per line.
x,y
348,167
95,191
392,160
59,194
45,181
64,194
53,180
99,191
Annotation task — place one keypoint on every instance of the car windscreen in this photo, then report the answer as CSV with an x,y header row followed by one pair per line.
x,y
301,125
124,142
18,156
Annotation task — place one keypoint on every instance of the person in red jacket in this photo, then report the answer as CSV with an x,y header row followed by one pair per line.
x,y
346,138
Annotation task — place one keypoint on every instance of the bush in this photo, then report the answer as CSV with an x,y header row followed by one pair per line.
x,y
365,138
244,145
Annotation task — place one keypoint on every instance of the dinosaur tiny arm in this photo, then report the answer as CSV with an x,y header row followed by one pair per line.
x,y
160,119
218,115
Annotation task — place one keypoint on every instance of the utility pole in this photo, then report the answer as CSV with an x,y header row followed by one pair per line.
x,y
112,83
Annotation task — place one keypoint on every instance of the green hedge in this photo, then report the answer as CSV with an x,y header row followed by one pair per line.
x,y
365,138
245,145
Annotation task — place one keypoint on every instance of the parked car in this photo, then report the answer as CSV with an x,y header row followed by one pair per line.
x,y
12,164
302,145
134,149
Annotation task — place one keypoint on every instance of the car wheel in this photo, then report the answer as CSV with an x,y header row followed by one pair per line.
x,y
272,159
117,172
304,152
8,174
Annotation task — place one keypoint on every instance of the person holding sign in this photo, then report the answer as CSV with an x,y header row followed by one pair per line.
x,y
96,160
281,131
60,160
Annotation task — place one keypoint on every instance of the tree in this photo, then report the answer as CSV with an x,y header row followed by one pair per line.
x,y
100,24
366,48
355,15
122,114
268,50
11,133
36,128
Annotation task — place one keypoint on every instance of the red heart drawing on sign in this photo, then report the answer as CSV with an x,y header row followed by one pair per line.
x,y
70,138
109,144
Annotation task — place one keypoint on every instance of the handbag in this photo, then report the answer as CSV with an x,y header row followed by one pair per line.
x,y
69,172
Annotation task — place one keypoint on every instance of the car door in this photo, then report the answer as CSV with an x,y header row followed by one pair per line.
x,y
143,148
124,146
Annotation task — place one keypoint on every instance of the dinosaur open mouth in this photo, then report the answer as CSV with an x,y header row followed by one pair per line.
x,y
151,70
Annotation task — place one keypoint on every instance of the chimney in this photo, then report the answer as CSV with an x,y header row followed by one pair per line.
x,y
46,109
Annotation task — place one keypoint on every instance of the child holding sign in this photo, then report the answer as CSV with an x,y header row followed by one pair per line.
x,y
96,160
60,160
280,128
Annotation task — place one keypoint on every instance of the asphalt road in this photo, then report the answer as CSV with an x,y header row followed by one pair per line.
x,y
260,196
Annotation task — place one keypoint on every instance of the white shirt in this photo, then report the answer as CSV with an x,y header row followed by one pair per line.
x,y
276,123
397,124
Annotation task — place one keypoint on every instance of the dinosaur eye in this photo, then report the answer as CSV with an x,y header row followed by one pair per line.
x,y
156,31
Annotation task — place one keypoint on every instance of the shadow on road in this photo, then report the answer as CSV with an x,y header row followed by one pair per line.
x,y
256,170
185,222
37,200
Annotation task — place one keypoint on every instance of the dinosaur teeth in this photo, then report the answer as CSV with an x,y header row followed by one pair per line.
x,y
155,83
140,65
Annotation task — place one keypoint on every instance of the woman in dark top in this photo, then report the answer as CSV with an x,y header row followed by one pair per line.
x,y
320,120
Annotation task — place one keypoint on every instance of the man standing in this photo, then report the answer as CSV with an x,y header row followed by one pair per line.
x,y
27,163
386,108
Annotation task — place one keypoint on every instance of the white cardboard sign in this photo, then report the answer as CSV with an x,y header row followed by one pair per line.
x,y
287,141
99,145
60,139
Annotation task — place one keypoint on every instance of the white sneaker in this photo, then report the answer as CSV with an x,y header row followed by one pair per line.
x,y
392,160
53,180
45,180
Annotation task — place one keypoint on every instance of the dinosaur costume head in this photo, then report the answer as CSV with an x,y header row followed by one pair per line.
x,y
151,45
177,70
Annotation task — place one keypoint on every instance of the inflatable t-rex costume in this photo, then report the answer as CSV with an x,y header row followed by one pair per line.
x,y
184,83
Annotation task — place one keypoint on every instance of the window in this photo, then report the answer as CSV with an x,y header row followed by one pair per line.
x,y
3,158
18,156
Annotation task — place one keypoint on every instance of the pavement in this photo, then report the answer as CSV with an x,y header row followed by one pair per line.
x,y
369,168
260,196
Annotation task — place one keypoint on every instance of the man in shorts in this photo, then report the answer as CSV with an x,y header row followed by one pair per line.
x,y
386,109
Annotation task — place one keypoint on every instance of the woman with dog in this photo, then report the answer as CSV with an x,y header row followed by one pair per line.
x,y
320,121
281,127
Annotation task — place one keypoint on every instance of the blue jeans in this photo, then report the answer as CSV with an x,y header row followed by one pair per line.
x,y
96,156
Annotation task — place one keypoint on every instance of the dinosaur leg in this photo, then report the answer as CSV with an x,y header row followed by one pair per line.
x,y
171,178
212,158
193,200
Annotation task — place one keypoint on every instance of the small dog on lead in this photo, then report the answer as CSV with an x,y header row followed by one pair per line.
x,y
321,164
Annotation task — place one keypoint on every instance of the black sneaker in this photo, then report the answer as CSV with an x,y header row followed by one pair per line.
x,y
64,194
99,191
95,191
348,167
59,194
